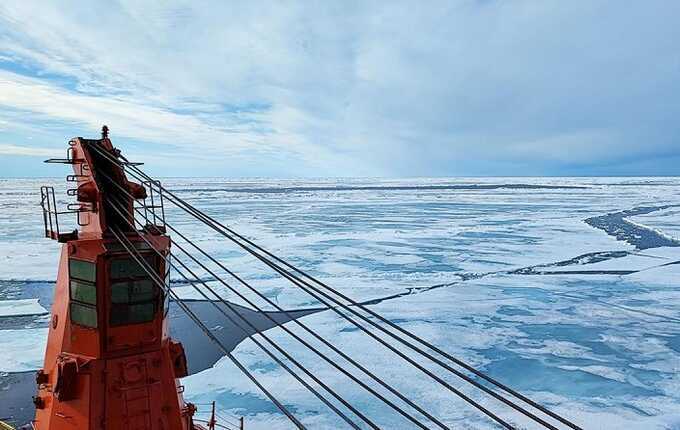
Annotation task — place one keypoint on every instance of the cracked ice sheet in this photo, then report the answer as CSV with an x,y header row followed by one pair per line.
x,y
379,265
660,277
451,230
395,240
554,338
22,350
363,240
638,260
21,307
672,253
666,222
358,240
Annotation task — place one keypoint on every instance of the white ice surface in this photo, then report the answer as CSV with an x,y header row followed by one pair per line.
x,y
462,319
21,307
473,318
598,349
22,350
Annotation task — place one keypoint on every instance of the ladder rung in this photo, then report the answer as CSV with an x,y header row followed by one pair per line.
x,y
64,161
72,209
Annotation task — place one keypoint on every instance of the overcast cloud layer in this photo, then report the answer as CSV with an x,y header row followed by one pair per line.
x,y
346,88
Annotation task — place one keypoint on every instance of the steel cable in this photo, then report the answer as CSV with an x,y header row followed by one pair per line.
x,y
211,222
119,236
115,206
324,341
298,282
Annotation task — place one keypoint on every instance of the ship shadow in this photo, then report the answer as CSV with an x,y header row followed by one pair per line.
x,y
201,352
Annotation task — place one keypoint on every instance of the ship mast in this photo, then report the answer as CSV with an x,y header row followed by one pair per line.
x,y
109,362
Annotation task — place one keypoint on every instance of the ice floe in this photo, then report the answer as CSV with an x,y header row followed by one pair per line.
x,y
23,307
22,350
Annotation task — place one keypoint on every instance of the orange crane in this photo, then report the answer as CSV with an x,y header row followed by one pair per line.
x,y
109,362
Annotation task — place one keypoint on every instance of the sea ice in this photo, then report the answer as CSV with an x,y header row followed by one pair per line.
x,y
601,349
23,307
22,350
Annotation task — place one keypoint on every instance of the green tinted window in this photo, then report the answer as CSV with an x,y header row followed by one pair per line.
x,y
142,312
134,295
132,314
119,292
84,315
132,291
83,292
82,269
122,268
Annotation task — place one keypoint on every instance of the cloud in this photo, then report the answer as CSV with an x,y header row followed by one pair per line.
x,y
8,149
353,88
129,118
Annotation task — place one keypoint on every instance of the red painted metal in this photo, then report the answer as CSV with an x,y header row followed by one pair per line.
x,y
110,362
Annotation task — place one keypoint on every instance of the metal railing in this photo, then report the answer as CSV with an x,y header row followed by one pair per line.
x,y
48,202
154,213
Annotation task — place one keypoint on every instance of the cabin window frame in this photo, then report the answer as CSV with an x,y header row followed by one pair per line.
x,y
126,311
82,280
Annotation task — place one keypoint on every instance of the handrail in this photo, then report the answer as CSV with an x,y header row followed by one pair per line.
x,y
217,425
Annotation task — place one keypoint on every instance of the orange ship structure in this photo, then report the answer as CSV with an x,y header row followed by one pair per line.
x,y
110,362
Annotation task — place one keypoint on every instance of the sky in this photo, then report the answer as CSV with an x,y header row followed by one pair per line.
x,y
347,88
